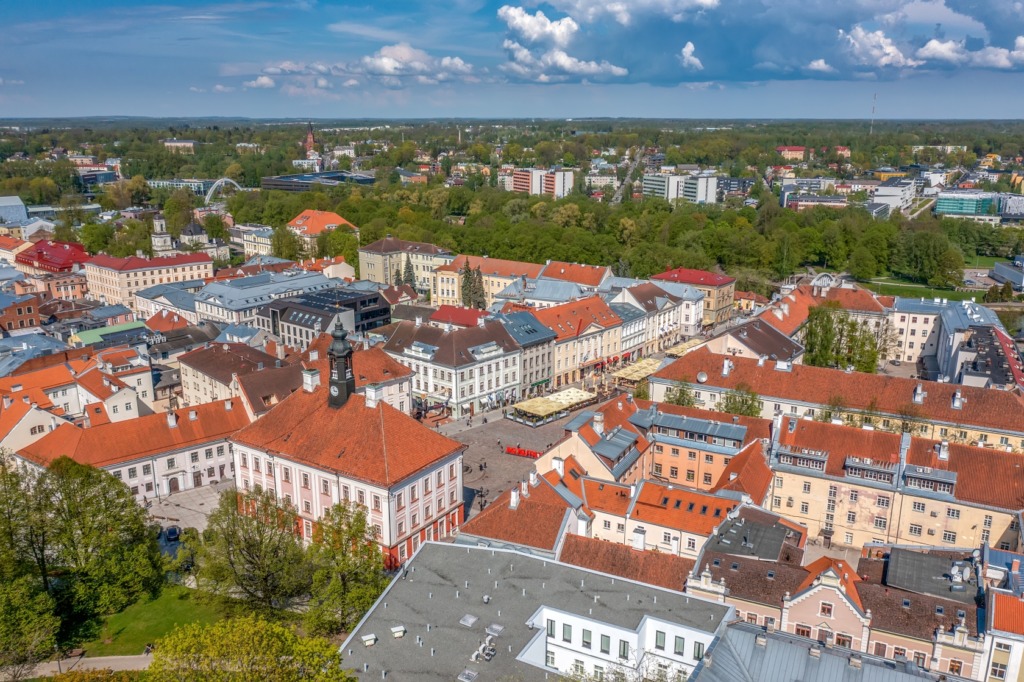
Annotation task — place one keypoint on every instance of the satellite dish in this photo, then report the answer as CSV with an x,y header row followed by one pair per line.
x,y
702,377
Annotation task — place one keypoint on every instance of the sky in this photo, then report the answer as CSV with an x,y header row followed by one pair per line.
x,y
477,58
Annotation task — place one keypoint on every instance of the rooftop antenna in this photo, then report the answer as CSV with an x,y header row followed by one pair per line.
x,y
874,99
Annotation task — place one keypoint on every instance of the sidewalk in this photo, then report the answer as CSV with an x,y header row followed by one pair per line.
x,y
99,663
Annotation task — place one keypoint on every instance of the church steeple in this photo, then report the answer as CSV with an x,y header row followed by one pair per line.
x,y
342,382
310,142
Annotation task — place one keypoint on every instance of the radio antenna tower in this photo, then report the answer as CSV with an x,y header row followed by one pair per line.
x,y
871,130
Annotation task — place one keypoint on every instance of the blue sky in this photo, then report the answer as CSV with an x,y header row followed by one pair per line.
x,y
475,58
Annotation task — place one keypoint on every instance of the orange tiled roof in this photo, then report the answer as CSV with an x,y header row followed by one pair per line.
x,y
8,243
602,496
378,444
49,377
98,384
570,320
311,223
374,366
654,568
679,508
750,296
790,312
884,394
496,267
164,321
748,472
538,521
587,275
111,444
847,574
1008,612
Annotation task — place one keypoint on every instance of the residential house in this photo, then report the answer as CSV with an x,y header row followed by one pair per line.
x,y
10,247
446,288
211,373
537,342
382,259
757,340
719,291
669,317
116,280
310,224
588,334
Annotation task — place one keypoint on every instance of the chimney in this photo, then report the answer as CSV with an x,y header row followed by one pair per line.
x,y
419,321
193,415
172,419
944,451
559,465
598,423
534,478
1015,566
524,489
481,322
310,380
228,406
7,401
513,502
726,367
372,395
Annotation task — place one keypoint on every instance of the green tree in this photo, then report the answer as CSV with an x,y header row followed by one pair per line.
x,y
642,390
862,264
28,627
215,227
348,570
286,244
408,275
479,299
742,401
177,210
251,553
245,649
467,288
681,395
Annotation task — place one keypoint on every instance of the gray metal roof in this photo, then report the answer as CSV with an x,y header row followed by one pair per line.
x,y
954,314
627,312
444,583
615,443
525,328
250,292
745,653
652,417
683,291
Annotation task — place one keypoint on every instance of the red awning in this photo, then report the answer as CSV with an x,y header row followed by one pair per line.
x,y
615,359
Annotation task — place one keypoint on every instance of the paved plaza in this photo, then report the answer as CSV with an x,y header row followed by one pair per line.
x,y
188,508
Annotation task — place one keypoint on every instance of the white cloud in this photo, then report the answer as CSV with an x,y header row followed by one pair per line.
x,y
195,89
989,57
624,12
350,83
455,65
322,83
687,58
821,66
8,81
535,28
951,51
399,59
222,88
365,31
875,49
260,82
554,65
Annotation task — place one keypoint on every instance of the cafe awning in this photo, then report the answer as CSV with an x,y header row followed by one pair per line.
x,y
638,371
539,407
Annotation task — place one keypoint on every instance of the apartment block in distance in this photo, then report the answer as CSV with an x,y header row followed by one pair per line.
x,y
115,280
553,183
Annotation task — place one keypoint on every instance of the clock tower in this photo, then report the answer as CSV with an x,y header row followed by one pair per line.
x,y
342,382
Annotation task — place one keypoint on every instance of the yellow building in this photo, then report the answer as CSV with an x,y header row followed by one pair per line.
x,y
497,274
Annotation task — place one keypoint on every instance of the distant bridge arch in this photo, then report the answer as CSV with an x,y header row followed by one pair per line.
x,y
217,186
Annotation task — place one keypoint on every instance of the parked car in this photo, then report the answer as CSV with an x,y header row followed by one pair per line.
x,y
172,534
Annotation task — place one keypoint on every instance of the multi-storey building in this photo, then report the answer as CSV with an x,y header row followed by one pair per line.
x,y
258,241
324,445
669,317
236,301
897,193
385,258
719,291
497,274
46,257
298,320
588,334
537,342
939,411
310,224
211,372
154,456
116,280
466,369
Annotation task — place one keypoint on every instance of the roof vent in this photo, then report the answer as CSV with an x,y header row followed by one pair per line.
x,y
398,631
814,652
369,640
761,640
468,675
468,620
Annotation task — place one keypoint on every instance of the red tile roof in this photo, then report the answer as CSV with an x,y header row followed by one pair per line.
x,y
790,312
857,300
586,275
571,320
135,263
223,360
538,521
311,223
602,496
496,267
847,575
53,256
750,296
379,444
695,277
687,510
165,321
374,366
1008,612
8,243
789,149
982,407
458,316
747,472
652,568
118,442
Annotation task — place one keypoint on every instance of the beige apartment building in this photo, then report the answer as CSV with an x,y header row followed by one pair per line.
x,y
497,274
379,261
719,291
588,334
212,372
115,280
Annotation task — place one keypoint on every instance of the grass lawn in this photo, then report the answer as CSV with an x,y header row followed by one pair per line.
x,y
891,288
983,261
146,621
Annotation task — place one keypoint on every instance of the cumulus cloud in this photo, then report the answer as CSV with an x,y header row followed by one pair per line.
x,y
956,53
875,49
391,65
554,65
223,88
687,58
536,28
260,82
821,66
624,13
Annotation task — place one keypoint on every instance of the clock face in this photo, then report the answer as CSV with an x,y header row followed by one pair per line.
x,y
334,391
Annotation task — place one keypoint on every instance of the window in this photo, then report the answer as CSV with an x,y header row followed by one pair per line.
x,y
997,671
880,522
577,667
376,502
566,632
803,630
825,610
778,481
956,666
915,529
881,649
919,507
680,646
286,473
988,521
131,472
673,472
851,517
307,506
952,513
147,469
709,459
586,639
607,525
659,640
623,649
325,487
194,457
1002,646
899,651
606,644
882,501
845,641
804,508
549,658
598,674
698,650
949,536
807,487
305,480
551,628
170,462
853,496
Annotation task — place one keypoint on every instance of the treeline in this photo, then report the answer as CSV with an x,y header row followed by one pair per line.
x,y
758,245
